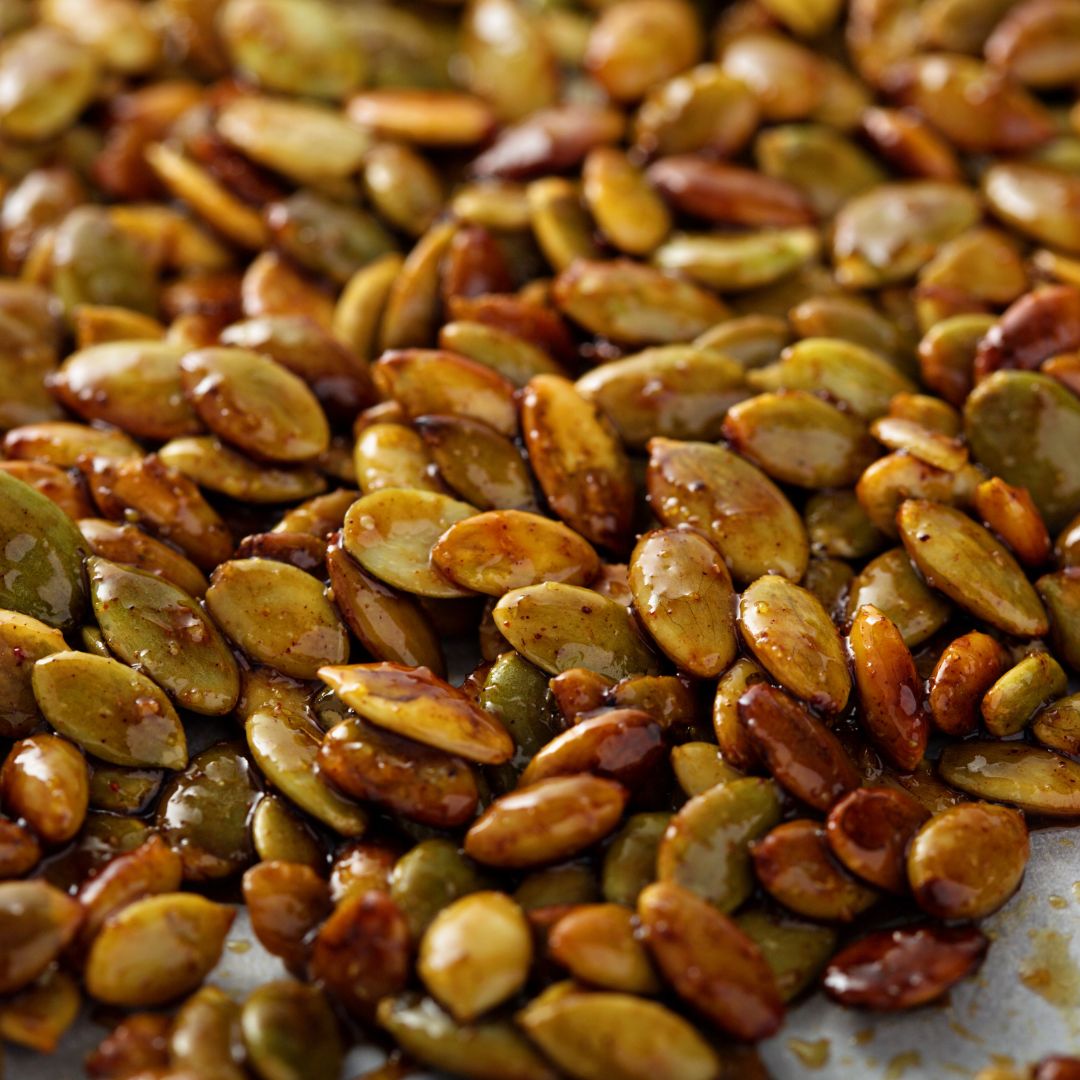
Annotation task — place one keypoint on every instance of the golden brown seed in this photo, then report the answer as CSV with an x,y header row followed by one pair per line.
x,y
869,831
710,962
476,954
501,550
802,754
551,820
794,865
414,703
362,952
622,744
889,688
156,949
596,943
578,460
45,781
285,902
965,862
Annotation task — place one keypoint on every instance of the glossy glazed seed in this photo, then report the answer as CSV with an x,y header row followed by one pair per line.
x,y
476,954
869,831
553,819
889,688
965,862
712,964
902,969
804,756
794,865
45,782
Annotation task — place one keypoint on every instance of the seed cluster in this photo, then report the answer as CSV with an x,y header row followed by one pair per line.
x,y
710,370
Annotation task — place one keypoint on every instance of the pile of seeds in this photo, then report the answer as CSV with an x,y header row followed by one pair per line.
x,y
710,373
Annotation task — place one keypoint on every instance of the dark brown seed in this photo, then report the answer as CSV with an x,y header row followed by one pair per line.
x,y
803,755
905,968
869,831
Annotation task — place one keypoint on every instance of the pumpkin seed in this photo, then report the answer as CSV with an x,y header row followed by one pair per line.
x,y
23,641
706,847
611,1036
206,1034
110,710
501,550
203,814
553,819
289,1029
126,967
178,647
488,1050
794,865
278,615
1017,694
1036,780
41,573
709,961
796,951
673,391
578,460
284,740
683,594
966,563
732,502
597,944
391,534
965,862
559,626
39,921
45,782
792,637
476,954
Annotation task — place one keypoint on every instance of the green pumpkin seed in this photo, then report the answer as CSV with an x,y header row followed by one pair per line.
x,y
163,633
279,835
428,878
1035,780
630,861
488,1050
559,627
598,1036
844,370
211,464
672,391
799,439
205,1035
1058,725
1014,698
706,847
683,594
278,615
290,1032
120,789
23,641
636,304
891,584
1024,427
517,693
203,814
796,951
732,502
793,638
390,533
739,262
41,557
965,562
299,47
284,739
1060,593
112,711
